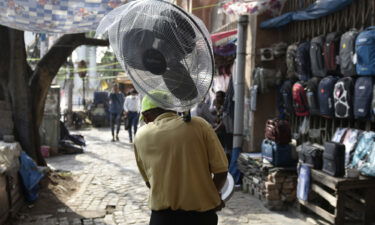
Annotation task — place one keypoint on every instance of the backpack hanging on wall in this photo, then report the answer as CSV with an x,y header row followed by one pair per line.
x,y
287,96
343,97
347,52
325,96
312,95
303,66
363,92
316,57
291,61
331,52
365,52
300,104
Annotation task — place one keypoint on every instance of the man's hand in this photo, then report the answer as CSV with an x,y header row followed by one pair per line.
x,y
220,207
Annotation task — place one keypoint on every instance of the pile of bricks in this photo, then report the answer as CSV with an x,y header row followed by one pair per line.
x,y
276,187
6,122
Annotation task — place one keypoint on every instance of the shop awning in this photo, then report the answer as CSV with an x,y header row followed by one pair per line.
x,y
218,36
314,11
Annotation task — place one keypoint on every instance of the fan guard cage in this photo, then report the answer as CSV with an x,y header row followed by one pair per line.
x,y
163,49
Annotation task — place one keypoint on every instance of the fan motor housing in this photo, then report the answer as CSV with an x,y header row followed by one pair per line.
x,y
154,61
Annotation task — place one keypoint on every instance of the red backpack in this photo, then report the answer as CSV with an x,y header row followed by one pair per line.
x,y
278,131
300,103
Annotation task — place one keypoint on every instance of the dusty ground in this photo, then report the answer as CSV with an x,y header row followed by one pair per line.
x,y
104,187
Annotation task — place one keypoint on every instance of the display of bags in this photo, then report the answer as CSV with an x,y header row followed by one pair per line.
x,y
303,67
331,52
339,135
311,155
278,131
343,97
287,96
325,96
364,147
266,79
365,52
300,104
347,52
304,182
350,140
291,61
334,159
368,168
363,92
276,154
312,95
316,56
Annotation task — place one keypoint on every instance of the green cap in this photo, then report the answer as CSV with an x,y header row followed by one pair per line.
x,y
149,103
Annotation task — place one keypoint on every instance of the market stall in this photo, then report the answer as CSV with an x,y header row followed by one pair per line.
x,y
318,74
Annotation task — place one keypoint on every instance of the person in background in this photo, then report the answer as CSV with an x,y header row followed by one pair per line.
x,y
203,110
116,104
224,137
176,160
131,108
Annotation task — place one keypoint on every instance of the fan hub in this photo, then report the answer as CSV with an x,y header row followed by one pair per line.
x,y
154,61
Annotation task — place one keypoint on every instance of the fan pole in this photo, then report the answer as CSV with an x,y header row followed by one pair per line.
x,y
239,83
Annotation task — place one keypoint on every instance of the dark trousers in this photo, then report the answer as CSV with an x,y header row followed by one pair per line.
x,y
179,217
115,119
133,118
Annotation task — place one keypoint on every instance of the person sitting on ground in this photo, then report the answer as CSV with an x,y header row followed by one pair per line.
x,y
131,109
176,160
116,101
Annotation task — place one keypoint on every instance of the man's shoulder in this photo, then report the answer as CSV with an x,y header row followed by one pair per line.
x,y
199,121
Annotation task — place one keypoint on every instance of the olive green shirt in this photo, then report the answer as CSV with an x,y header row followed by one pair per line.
x,y
178,159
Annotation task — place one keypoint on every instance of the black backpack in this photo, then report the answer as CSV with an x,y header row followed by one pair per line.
x,y
325,96
347,51
312,95
316,56
363,92
331,52
287,96
334,159
343,97
303,67
291,61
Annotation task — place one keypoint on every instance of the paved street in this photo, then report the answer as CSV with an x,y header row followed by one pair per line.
x,y
112,192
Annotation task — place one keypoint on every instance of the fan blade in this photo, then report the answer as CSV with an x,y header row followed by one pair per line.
x,y
176,30
180,84
135,43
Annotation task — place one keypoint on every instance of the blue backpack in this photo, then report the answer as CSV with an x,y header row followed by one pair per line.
x,y
362,97
277,154
365,50
325,96
303,65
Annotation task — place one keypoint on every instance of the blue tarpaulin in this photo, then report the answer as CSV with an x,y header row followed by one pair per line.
x,y
30,177
316,10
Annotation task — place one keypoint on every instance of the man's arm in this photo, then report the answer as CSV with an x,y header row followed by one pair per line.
x,y
219,180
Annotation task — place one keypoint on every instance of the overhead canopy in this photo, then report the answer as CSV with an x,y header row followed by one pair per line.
x,y
55,16
218,36
316,10
241,7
